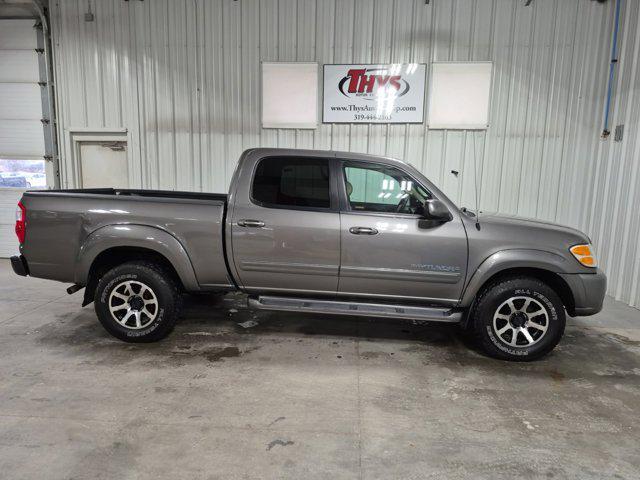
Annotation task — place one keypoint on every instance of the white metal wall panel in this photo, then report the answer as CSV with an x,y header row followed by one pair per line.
x,y
613,191
183,78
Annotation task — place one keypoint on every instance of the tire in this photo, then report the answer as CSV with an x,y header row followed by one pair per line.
x,y
511,306
137,302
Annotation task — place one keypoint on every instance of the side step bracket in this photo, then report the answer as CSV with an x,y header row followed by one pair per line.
x,y
336,307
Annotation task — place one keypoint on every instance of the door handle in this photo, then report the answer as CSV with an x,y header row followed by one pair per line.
x,y
250,223
363,231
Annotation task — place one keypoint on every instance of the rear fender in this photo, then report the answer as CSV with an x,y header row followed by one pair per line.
x,y
138,236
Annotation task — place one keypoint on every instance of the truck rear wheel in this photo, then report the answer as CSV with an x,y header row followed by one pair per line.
x,y
137,302
518,319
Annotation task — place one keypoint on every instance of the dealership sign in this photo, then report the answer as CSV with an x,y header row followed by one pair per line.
x,y
392,93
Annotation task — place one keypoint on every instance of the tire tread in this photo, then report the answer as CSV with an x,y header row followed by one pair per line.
x,y
504,284
160,275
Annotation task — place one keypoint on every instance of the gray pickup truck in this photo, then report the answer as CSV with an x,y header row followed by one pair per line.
x,y
313,231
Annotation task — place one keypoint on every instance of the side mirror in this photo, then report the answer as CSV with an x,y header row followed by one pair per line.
x,y
434,209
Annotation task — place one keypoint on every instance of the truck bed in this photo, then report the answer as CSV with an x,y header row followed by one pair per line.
x,y
144,193
64,227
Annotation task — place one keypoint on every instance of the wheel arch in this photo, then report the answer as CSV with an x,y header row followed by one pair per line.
x,y
114,245
544,266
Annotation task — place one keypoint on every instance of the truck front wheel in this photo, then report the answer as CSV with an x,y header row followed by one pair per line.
x,y
518,318
137,302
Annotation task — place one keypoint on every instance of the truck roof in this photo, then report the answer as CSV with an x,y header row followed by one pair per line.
x,y
272,151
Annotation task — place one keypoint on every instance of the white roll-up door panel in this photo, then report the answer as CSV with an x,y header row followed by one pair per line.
x,y
21,139
17,35
21,101
21,129
19,66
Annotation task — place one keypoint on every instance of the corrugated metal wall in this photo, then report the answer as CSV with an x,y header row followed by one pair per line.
x,y
184,78
611,212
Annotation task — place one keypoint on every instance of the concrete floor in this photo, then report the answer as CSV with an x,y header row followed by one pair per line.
x,y
305,397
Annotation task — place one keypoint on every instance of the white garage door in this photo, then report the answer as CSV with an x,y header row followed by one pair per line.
x,y
21,131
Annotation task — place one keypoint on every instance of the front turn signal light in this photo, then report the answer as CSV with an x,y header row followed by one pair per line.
x,y
584,255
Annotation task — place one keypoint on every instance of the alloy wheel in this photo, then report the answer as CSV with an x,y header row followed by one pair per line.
x,y
521,321
133,304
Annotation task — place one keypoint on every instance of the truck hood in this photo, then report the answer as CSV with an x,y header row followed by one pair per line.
x,y
501,219
500,232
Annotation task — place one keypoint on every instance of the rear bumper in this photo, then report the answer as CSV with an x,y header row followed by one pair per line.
x,y
588,292
19,265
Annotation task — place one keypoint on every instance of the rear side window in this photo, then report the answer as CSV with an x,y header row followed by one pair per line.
x,y
292,182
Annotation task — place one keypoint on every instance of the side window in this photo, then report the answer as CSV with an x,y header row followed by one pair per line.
x,y
292,182
379,188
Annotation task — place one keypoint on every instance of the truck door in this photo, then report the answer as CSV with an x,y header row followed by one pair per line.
x,y
285,225
388,249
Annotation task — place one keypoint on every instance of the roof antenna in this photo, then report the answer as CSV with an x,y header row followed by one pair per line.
x,y
475,181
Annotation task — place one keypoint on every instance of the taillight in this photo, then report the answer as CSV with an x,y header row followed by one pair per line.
x,y
21,222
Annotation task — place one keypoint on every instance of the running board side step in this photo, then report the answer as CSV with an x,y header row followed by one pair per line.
x,y
336,307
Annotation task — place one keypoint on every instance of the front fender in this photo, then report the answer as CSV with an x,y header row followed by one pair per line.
x,y
508,259
138,236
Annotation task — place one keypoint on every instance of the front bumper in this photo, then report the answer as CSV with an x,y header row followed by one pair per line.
x,y
588,291
19,265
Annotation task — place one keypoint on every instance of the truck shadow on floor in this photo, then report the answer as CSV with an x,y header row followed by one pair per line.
x,y
231,310
216,330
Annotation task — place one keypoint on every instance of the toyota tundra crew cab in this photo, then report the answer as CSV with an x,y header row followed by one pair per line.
x,y
313,231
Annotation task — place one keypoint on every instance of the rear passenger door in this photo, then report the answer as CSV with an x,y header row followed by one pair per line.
x,y
286,226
